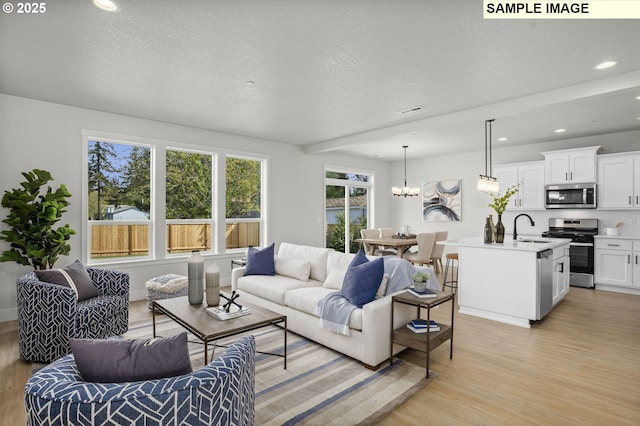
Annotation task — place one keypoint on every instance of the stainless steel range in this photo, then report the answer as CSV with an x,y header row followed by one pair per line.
x,y
581,232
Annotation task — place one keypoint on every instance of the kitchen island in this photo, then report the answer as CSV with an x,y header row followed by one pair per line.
x,y
517,282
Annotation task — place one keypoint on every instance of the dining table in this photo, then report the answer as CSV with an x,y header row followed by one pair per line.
x,y
402,244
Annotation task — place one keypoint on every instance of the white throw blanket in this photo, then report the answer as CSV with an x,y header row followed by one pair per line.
x,y
335,312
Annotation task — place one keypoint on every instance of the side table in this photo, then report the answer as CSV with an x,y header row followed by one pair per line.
x,y
424,342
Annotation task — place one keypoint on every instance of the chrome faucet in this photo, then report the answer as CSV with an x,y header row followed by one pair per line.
x,y
515,228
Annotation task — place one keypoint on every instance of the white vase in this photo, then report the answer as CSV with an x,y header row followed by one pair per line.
x,y
195,274
212,279
420,286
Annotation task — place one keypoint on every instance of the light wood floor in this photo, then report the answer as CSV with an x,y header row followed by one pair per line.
x,y
579,366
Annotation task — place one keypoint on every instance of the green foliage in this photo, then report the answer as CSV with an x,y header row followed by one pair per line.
x,y
100,166
421,277
500,202
189,186
31,219
243,187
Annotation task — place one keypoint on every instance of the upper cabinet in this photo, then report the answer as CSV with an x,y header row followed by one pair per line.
x,y
531,193
570,165
619,181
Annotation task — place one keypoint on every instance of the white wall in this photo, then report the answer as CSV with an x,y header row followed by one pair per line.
x,y
35,134
469,165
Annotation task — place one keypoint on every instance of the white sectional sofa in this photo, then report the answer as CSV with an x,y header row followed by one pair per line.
x,y
304,275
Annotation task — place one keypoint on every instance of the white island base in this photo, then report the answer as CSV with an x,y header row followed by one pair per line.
x,y
500,281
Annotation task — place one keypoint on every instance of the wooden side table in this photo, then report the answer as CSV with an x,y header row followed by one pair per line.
x,y
424,342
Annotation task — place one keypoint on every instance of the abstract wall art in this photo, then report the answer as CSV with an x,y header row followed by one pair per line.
x,y
442,201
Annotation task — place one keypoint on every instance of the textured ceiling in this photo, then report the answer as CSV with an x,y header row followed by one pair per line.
x,y
330,75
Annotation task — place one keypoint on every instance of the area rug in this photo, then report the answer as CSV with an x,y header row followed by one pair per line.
x,y
319,386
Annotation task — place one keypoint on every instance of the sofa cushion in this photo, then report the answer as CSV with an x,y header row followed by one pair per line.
x,y
116,360
260,262
272,288
335,278
306,299
294,268
315,255
74,275
362,279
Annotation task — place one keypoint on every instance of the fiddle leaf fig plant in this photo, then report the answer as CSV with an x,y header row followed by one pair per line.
x,y
33,212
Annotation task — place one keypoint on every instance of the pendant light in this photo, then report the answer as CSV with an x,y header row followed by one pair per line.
x,y
405,191
487,182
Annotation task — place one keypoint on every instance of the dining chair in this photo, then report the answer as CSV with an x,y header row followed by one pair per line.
x,y
438,250
426,242
369,233
387,250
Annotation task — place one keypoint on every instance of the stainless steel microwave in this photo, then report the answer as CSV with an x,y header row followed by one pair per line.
x,y
570,196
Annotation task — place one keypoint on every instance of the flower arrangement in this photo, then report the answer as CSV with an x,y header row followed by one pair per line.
x,y
500,201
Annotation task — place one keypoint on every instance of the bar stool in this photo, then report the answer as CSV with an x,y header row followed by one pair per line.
x,y
451,281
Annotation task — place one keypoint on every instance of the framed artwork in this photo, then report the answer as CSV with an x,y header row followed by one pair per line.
x,y
442,201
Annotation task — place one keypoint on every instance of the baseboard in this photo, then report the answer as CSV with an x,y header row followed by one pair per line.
x,y
8,314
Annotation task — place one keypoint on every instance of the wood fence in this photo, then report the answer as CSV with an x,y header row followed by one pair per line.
x,y
133,240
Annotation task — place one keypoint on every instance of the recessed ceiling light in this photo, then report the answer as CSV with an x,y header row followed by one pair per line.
x,y
250,83
107,5
502,139
638,98
606,64
560,130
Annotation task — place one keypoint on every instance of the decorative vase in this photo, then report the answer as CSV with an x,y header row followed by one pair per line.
x,y
212,279
420,285
499,230
195,274
493,229
487,231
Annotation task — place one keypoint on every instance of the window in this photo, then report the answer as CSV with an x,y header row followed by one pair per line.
x,y
347,211
119,185
145,200
243,202
189,202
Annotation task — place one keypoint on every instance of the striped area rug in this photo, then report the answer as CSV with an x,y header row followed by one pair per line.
x,y
319,386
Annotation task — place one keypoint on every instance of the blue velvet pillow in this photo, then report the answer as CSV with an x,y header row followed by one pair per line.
x,y
260,262
362,280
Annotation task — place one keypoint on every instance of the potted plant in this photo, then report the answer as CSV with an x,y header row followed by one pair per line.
x,y
499,205
420,279
33,212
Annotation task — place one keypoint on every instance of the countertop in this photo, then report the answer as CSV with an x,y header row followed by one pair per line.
x,y
510,244
617,237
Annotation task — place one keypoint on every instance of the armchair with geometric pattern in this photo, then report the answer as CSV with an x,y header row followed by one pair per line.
x,y
49,314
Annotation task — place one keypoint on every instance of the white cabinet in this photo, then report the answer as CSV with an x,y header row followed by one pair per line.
x,y
570,165
613,262
636,264
531,193
561,273
619,181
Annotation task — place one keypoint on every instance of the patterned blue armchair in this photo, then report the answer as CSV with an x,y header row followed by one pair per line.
x,y
221,393
48,314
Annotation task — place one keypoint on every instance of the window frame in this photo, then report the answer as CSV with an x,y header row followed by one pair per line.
x,y
157,217
369,185
263,197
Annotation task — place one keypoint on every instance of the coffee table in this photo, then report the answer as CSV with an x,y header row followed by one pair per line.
x,y
207,328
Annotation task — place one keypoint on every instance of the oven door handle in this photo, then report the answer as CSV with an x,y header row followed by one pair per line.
x,y
581,244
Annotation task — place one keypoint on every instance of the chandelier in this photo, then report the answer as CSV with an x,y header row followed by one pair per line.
x,y
486,182
405,191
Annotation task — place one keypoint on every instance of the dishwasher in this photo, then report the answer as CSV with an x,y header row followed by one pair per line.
x,y
544,296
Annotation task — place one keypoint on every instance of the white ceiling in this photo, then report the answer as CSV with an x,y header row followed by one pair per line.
x,y
329,74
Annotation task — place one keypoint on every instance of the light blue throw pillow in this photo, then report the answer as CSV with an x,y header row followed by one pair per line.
x,y
260,262
362,279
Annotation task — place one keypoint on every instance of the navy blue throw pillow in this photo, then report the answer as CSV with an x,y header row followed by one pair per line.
x,y
362,280
260,262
